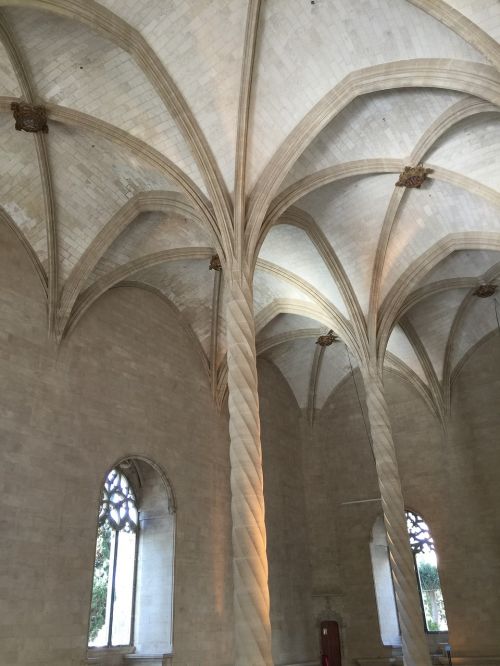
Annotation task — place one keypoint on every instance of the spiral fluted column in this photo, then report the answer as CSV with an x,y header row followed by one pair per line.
x,y
415,649
251,592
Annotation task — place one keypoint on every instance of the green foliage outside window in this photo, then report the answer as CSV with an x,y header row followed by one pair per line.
x,y
432,596
429,577
100,583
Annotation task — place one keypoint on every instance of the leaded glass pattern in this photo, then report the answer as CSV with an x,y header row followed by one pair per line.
x,y
118,505
421,540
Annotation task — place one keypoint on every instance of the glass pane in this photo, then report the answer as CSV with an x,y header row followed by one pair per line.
x,y
430,588
114,569
101,587
424,552
124,588
118,505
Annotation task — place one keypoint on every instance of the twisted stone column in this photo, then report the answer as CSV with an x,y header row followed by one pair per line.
x,y
251,592
415,649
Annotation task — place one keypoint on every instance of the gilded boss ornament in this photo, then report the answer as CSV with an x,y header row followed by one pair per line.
x,y
29,118
413,177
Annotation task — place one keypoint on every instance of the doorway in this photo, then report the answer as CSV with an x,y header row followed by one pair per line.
x,y
330,644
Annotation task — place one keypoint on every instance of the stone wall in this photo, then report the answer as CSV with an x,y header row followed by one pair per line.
x,y
287,536
450,478
473,460
127,381
338,467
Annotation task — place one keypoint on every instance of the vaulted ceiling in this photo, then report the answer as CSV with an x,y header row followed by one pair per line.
x,y
164,115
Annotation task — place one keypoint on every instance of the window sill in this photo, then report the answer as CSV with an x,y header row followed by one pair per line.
x,y
149,659
97,651
126,655
103,656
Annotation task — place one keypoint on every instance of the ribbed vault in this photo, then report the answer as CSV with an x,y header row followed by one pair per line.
x,y
182,130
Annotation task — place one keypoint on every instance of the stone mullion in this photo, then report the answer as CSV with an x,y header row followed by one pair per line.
x,y
251,593
413,638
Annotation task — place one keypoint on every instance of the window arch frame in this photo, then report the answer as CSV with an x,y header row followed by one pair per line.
x,y
170,506
384,585
120,522
385,597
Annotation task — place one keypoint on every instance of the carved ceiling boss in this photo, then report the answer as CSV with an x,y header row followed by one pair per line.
x,y
29,118
413,177
327,340
215,264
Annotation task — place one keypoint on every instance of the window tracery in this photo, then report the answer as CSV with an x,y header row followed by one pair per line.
x,y
421,540
118,505
425,560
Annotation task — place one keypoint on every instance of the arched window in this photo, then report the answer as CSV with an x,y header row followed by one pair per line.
x,y
133,583
425,560
114,568
424,555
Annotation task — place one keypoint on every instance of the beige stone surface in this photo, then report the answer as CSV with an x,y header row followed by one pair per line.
x,y
114,388
272,133
448,480
287,546
252,626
